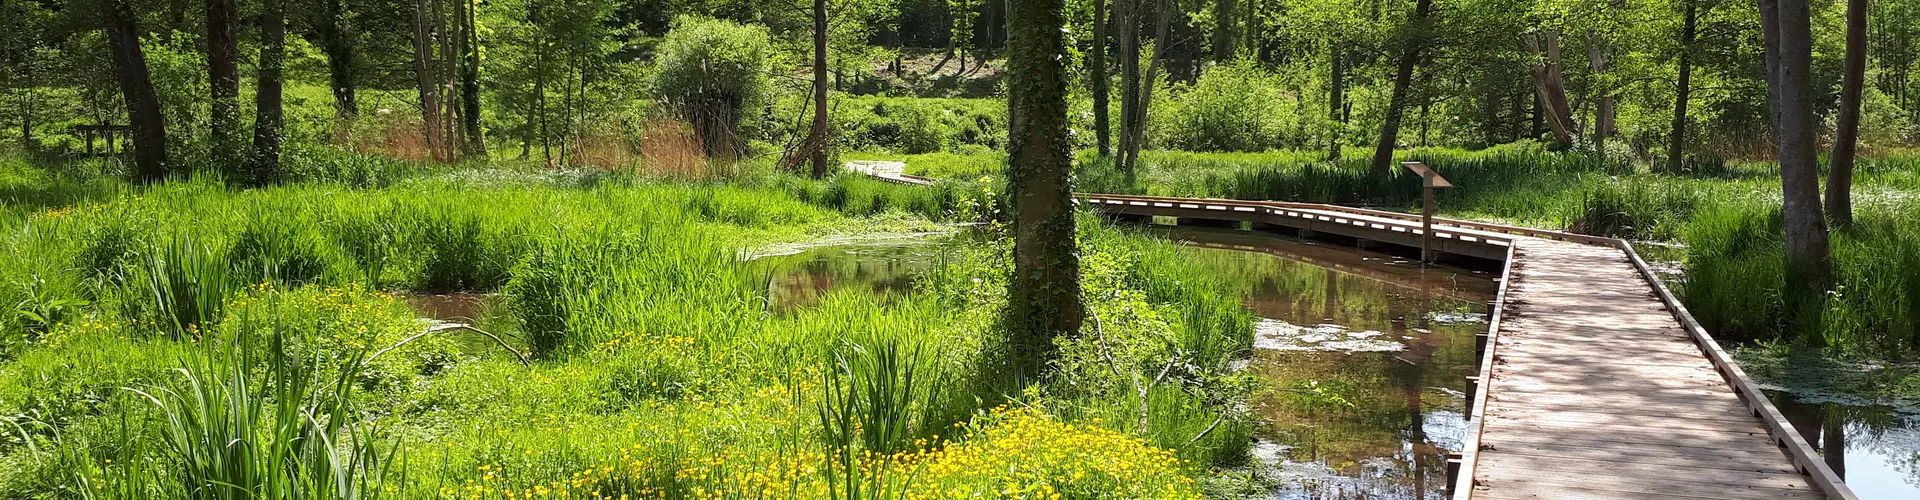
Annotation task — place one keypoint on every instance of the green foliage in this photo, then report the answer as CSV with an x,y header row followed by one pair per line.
x,y
1230,108
714,73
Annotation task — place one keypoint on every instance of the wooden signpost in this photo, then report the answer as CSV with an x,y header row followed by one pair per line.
x,y
1429,179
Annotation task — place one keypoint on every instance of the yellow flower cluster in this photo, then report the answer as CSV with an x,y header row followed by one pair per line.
x,y
1026,454
625,339
1015,454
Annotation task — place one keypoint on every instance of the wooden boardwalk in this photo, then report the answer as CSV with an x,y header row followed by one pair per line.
x,y
1598,392
1594,382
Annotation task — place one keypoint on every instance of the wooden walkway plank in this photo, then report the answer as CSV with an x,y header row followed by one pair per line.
x,y
1585,335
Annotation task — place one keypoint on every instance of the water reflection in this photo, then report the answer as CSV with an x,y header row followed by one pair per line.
x,y
1874,448
802,279
1363,367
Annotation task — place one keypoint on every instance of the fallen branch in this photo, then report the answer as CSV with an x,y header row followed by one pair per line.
x,y
443,327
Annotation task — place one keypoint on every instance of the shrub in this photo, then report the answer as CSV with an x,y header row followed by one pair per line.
x,y
1231,108
711,73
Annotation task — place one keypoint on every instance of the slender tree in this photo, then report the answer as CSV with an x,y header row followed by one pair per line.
x,y
423,68
1683,87
1127,45
1137,134
817,139
268,115
1336,99
1846,136
1044,292
223,74
1098,74
1788,37
1223,38
1402,81
476,143
149,131
338,42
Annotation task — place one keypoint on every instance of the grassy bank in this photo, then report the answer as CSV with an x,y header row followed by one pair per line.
x,y
186,339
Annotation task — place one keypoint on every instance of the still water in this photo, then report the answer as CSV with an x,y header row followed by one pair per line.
x,y
1876,449
1361,357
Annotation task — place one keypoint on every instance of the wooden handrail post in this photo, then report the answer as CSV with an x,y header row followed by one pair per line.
x,y
1429,179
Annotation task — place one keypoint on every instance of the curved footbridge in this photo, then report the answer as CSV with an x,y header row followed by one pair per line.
x,y
1594,380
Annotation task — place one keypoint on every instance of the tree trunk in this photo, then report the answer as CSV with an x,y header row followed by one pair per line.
x,y
817,139
445,35
1223,39
1846,136
268,115
1044,292
1098,74
1402,81
148,129
1599,62
1553,90
1336,100
1809,272
337,41
1683,89
1137,136
470,83
223,75
423,68
1128,17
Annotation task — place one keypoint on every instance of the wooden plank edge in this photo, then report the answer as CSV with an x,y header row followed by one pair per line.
x,y
1783,433
1461,487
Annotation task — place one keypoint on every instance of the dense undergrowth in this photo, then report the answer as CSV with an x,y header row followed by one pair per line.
x,y
188,340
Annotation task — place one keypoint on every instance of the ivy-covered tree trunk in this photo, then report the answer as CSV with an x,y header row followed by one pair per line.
x,y
1788,36
1846,135
268,115
149,131
1683,88
1044,293
1402,82
223,75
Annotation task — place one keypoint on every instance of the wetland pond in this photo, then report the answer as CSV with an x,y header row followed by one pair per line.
x,y
1361,359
